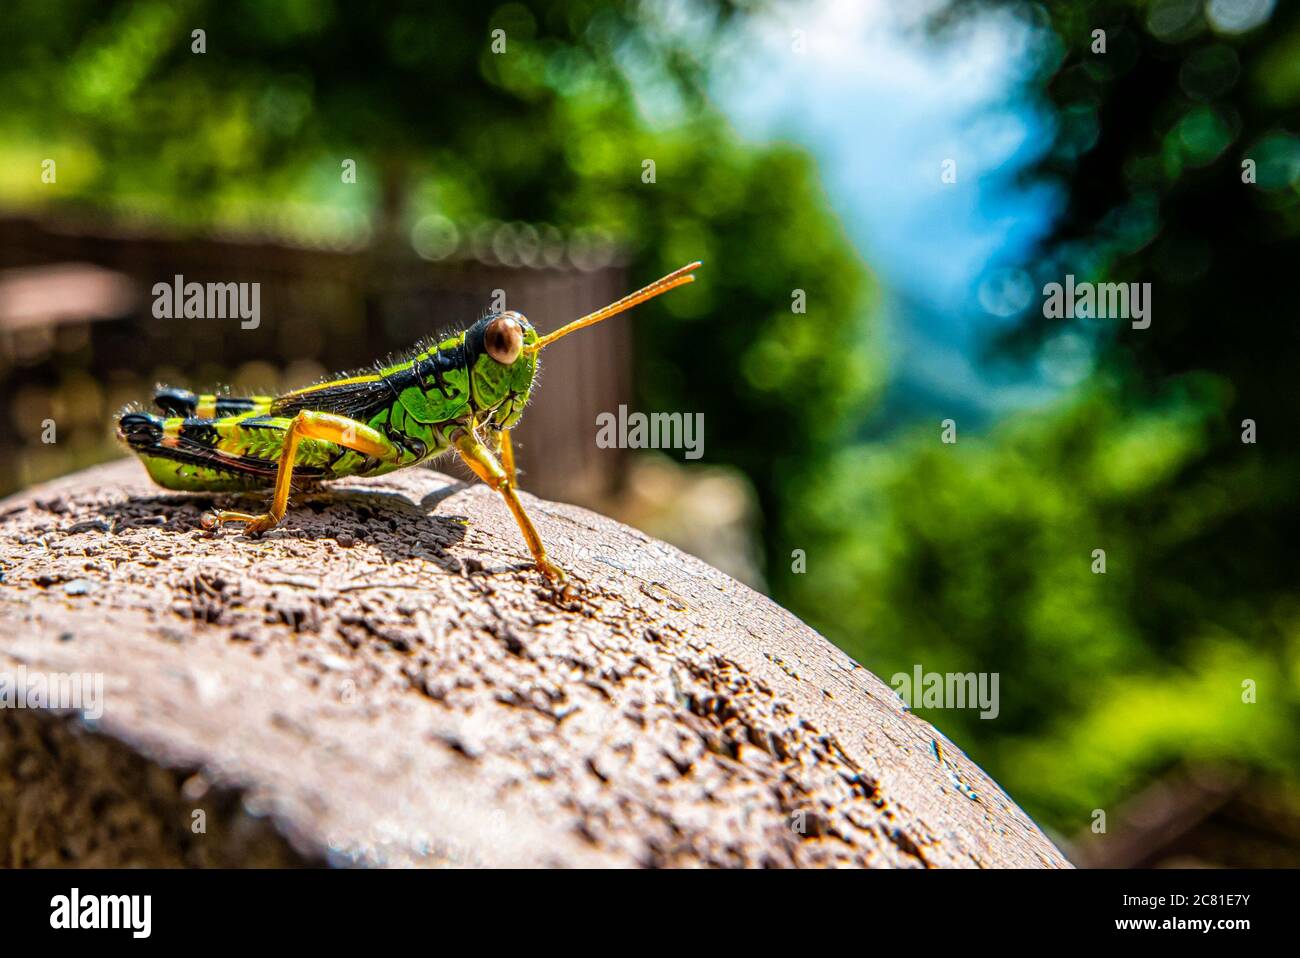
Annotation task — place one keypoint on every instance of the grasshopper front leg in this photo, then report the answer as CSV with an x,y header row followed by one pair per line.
x,y
307,425
507,454
485,465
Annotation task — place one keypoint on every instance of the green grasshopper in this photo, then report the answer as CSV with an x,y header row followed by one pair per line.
x,y
441,397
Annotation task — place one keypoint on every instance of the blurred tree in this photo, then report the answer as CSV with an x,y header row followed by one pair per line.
x,y
978,556
548,121
1181,145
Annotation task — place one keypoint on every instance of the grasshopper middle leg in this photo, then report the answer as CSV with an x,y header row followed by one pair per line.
x,y
307,425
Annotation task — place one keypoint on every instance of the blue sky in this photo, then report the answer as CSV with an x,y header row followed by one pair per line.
x,y
882,106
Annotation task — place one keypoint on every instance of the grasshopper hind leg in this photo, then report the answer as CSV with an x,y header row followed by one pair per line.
x,y
327,427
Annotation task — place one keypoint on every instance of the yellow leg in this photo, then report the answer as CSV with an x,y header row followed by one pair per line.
x,y
485,465
306,425
508,457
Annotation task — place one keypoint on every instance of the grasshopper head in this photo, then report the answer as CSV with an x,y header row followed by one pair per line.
x,y
503,349
501,368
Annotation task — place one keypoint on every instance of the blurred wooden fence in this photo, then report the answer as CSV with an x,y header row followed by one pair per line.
x,y
78,338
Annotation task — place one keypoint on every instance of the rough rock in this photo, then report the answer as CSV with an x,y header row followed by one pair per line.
x,y
384,680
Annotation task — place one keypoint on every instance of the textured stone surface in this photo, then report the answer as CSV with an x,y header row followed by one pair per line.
x,y
385,680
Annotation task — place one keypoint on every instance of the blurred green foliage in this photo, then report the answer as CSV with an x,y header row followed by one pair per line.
x,y
978,556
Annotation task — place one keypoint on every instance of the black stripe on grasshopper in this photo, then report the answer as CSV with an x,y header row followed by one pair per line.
x,y
182,402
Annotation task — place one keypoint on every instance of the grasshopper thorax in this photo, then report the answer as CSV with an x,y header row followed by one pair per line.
x,y
501,369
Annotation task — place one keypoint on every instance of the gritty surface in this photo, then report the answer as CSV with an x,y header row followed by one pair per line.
x,y
384,680
69,796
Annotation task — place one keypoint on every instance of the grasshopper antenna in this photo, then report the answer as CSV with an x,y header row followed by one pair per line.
x,y
678,277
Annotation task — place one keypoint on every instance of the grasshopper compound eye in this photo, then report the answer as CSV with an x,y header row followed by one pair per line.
x,y
504,338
